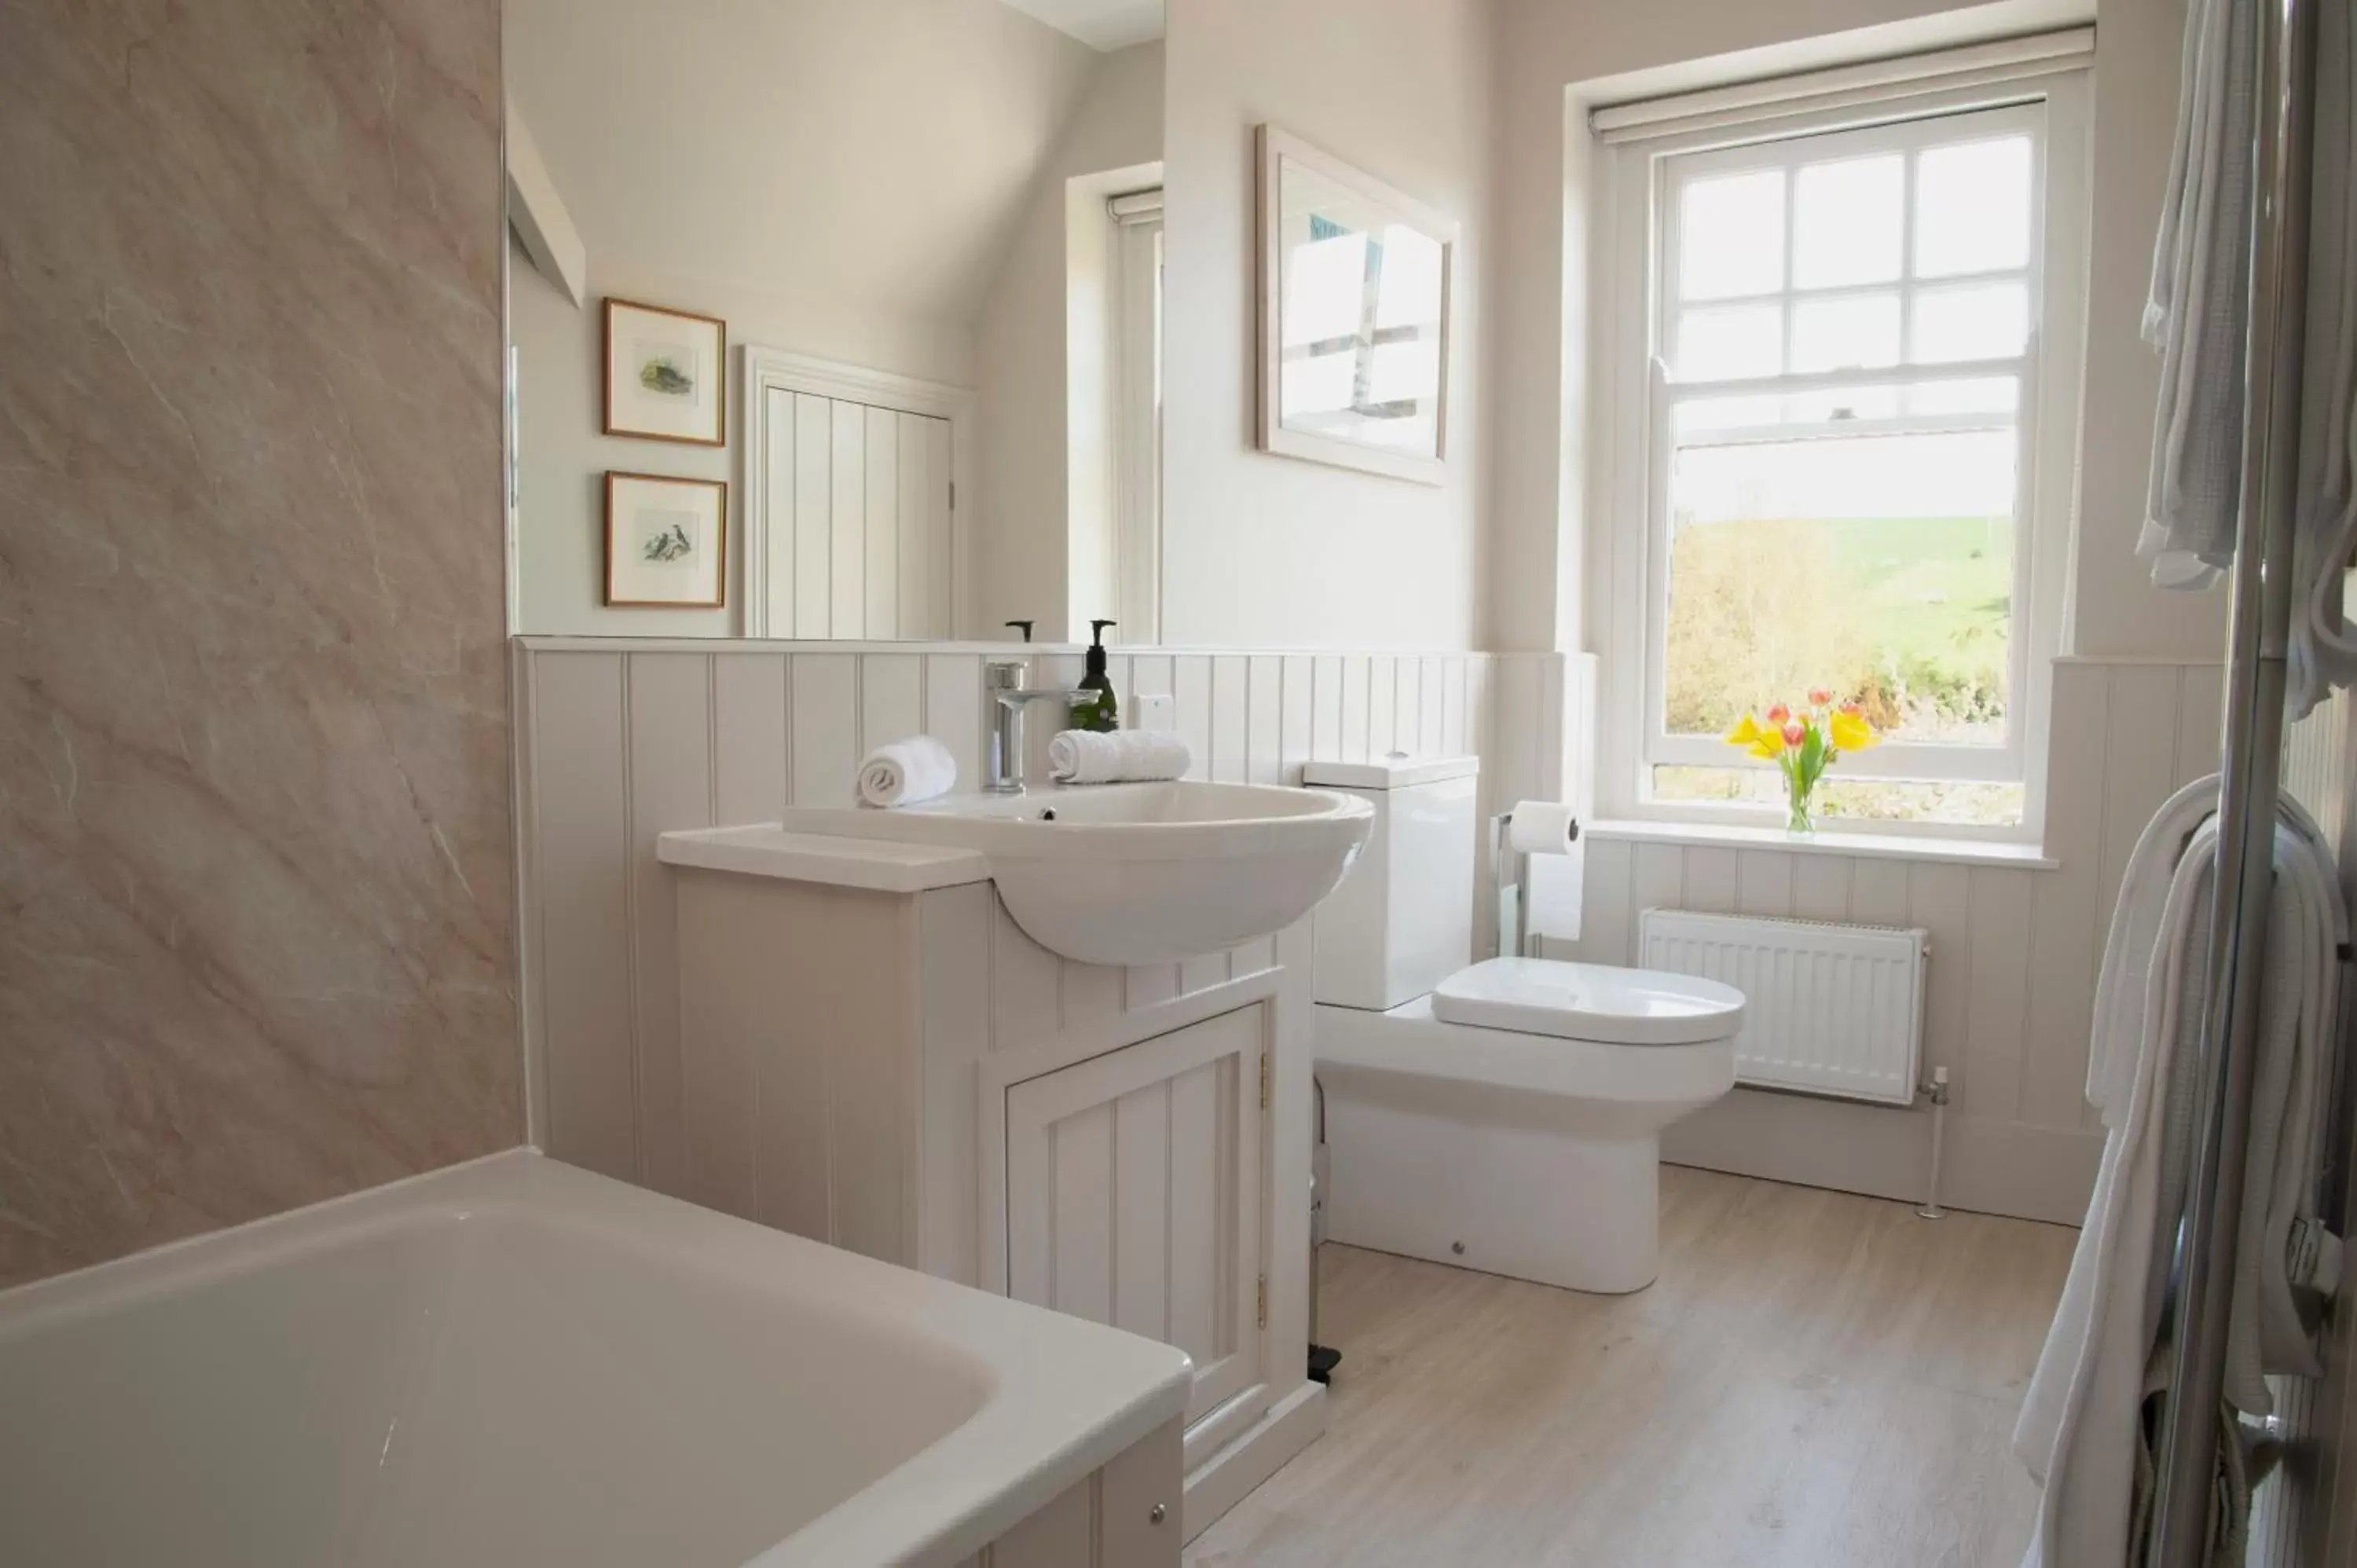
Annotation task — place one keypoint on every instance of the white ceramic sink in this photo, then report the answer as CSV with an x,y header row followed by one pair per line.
x,y
1137,873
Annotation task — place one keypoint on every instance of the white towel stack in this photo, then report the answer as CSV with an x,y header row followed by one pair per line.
x,y
906,772
1122,756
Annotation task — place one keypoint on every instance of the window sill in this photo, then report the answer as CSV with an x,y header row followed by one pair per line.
x,y
1860,846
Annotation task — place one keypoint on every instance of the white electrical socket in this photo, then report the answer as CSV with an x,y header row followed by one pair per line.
x,y
1156,710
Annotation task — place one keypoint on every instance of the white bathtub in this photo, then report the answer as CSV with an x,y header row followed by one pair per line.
x,y
517,1362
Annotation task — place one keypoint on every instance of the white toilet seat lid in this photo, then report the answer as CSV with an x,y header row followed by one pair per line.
x,y
1589,1002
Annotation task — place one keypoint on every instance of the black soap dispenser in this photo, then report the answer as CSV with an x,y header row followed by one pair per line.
x,y
1097,712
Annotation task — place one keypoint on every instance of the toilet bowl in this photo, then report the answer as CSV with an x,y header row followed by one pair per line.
x,y
1505,1115
1533,1150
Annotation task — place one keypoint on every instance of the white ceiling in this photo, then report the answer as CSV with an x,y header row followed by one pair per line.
x,y
1103,25
869,156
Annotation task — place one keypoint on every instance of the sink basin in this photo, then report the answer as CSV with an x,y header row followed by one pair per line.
x,y
1135,873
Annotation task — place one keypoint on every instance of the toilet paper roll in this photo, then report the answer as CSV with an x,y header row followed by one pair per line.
x,y
1543,827
1548,833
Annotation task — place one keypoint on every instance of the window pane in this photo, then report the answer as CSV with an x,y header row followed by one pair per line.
x,y
1407,288
1321,384
1843,334
1846,225
1883,800
1978,321
1986,395
1877,566
1731,236
1405,373
1730,343
1972,208
1325,289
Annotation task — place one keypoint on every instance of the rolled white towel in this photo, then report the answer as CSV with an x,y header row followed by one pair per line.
x,y
906,772
1122,757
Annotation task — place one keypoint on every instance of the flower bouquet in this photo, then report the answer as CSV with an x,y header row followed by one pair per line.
x,y
1803,745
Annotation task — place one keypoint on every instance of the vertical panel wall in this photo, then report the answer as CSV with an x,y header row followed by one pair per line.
x,y
2014,956
2015,950
620,742
253,790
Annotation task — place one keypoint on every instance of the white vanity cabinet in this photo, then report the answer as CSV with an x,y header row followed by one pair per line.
x,y
1133,1195
900,1071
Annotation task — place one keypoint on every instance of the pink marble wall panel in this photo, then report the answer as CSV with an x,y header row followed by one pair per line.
x,y
255,939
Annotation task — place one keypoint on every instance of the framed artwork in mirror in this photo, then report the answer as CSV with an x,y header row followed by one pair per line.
x,y
665,375
666,542
1355,281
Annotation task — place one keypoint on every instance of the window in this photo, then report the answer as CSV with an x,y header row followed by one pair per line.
x,y
1137,299
1853,391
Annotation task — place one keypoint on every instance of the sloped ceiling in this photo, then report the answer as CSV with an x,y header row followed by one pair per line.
x,y
1103,25
867,152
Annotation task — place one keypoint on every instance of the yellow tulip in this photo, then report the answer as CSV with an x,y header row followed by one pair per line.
x,y
1852,733
1768,747
1746,730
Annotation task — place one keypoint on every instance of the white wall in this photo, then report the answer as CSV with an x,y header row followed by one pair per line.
x,y
1556,57
832,180
1262,550
1021,352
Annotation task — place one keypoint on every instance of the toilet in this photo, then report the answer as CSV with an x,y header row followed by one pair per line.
x,y
1505,1115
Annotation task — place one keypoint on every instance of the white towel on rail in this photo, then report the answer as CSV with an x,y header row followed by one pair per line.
x,y
2079,1430
2197,314
2198,308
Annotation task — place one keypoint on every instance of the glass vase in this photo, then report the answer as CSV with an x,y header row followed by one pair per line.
x,y
1801,821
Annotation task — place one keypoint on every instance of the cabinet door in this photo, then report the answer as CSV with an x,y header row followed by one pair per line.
x,y
1133,1195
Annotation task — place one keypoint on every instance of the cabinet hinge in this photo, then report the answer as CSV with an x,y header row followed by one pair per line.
x,y
1263,1081
1261,1311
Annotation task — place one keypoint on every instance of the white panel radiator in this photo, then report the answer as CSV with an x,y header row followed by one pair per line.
x,y
1831,1009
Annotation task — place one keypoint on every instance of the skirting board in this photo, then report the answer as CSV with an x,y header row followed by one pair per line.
x,y
2013,1169
1219,1483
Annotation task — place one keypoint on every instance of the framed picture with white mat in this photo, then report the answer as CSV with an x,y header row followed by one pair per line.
x,y
666,375
666,542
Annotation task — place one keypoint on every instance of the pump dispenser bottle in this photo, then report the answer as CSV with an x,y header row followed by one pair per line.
x,y
1098,710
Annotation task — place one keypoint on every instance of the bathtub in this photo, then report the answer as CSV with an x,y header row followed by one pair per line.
x,y
515,1361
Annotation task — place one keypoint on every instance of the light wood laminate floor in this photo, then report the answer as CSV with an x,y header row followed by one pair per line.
x,y
1816,1380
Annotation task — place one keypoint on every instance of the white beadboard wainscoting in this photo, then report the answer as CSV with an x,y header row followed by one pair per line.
x,y
620,740
2014,955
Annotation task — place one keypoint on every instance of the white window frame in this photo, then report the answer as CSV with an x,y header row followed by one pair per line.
x,y
1646,148
1136,339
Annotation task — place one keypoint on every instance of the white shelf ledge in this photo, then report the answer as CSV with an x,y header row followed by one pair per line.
x,y
1857,847
880,866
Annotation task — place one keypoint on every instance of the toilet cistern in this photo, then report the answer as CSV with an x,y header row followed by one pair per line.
x,y
1002,683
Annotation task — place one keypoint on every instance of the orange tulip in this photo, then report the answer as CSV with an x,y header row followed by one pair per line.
x,y
1819,697
1795,732
1778,713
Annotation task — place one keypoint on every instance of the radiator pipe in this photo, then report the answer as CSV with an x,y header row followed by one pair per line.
x,y
1937,1088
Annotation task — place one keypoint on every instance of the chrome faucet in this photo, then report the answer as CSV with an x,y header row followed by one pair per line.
x,y
1003,688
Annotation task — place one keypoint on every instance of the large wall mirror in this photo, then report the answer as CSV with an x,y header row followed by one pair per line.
x,y
845,314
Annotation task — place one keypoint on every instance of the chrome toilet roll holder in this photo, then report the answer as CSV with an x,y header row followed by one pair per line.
x,y
1510,900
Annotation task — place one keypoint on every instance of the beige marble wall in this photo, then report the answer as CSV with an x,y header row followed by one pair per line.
x,y
254,896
